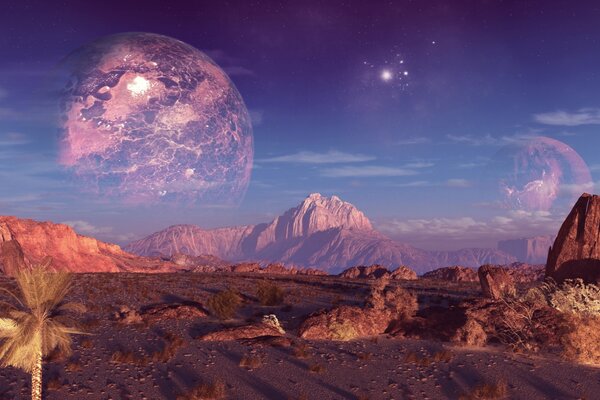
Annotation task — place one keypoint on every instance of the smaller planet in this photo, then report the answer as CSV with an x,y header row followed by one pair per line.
x,y
539,174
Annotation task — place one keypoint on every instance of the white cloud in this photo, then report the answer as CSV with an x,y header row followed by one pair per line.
x,y
13,139
584,116
420,164
330,157
87,228
488,140
413,140
366,171
470,231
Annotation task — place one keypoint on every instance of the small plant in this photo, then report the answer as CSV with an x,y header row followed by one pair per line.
x,y
487,391
224,304
269,294
316,368
205,391
251,362
301,351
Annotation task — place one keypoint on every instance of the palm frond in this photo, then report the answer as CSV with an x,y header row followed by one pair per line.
x,y
8,327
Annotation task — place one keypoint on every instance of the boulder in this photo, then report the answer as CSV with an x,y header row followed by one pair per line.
x,y
455,273
496,282
403,272
364,272
245,267
268,327
575,253
161,312
12,258
345,323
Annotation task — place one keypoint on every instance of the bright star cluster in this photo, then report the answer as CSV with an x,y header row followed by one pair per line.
x,y
392,72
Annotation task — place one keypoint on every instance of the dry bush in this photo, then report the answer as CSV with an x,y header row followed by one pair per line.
x,y
224,304
376,298
364,356
73,366
487,391
316,368
251,362
442,356
269,294
54,384
123,357
582,342
471,334
342,331
573,296
518,326
172,345
402,302
206,391
301,351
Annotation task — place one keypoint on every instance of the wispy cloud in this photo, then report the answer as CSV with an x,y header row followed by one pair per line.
x,y
583,116
413,140
452,183
309,157
511,225
13,139
366,171
488,140
87,228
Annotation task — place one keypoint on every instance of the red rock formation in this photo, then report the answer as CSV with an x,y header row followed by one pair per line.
x,y
364,272
455,273
576,250
496,282
30,241
403,272
345,323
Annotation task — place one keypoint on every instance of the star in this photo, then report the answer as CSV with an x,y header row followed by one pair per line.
x,y
386,75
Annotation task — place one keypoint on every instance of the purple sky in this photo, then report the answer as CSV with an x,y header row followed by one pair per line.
x,y
403,108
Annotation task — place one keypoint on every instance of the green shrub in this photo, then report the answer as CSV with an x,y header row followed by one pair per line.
x,y
269,294
224,304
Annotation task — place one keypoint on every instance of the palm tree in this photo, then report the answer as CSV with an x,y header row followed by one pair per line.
x,y
37,322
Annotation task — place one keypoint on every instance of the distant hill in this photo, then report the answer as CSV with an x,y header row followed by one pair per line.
x,y
321,232
533,250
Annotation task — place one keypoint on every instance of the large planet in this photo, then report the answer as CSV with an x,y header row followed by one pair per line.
x,y
148,118
539,174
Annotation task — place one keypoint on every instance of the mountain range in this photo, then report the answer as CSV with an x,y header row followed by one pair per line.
x,y
322,232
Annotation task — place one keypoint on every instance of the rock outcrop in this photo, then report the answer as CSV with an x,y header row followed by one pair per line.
x,y
345,323
322,232
25,241
576,250
364,272
403,272
533,250
455,273
269,326
496,282
378,271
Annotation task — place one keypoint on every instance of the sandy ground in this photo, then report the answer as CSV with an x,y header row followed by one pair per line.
x,y
379,368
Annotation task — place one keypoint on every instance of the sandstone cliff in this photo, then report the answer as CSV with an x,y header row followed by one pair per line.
x,y
576,250
25,241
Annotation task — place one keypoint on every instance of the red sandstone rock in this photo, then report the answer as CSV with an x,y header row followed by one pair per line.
x,y
162,312
576,250
403,272
31,241
496,282
365,272
453,274
345,323
243,332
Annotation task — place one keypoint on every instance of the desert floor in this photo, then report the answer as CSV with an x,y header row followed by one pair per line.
x,y
119,361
